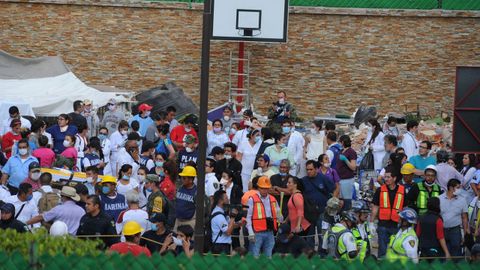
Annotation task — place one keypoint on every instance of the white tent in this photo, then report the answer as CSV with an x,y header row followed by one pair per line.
x,y
47,84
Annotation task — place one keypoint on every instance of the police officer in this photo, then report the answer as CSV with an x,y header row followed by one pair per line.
x,y
422,191
221,224
404,244
9,221
362,232
339,241
97,222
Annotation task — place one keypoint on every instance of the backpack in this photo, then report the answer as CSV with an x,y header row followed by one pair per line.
x,y
311,211
332,243
48,201
208,243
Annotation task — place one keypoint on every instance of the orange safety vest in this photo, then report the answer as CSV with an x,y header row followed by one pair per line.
x,y
259,217
387,212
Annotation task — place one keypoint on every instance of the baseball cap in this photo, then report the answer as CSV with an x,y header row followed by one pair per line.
x,y
112,101
189,139
158,217
144,107
265,157
216,151
7,208
34,166
87,102
15,122
248,113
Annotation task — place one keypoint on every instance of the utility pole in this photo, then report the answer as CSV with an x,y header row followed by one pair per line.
x,y
205,71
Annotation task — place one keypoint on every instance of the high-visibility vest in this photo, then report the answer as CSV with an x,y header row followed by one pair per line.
x,y
424,195
363,245
335,246
259,217
387,210
395,248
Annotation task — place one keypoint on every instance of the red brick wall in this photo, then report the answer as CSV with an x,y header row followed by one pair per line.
x,y
334,60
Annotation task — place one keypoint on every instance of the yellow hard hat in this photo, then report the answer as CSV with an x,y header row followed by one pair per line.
x,y
188,171
264,182
109,179
407,168
132,228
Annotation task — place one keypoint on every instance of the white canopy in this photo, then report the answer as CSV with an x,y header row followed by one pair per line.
x,y
47,85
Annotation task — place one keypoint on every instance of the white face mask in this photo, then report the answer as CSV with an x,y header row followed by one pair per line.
x,y
23,151
36,175
188,149
247,123
457,192
66,143
141,178
187,129
259,171
223,181
281,101
313,131
227,157
327,164
111,107
124,132
89,179
233,131
147,113
226,117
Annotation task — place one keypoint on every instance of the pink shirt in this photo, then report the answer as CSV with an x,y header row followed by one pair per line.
x,y
71,152
46,156
35,184
295,210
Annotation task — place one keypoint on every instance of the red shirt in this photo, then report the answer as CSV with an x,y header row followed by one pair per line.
x,y
125,248
35,184
7,141
438,229
168,188
46,156
178,133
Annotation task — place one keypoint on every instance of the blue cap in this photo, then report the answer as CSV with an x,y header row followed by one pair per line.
x,y
8,208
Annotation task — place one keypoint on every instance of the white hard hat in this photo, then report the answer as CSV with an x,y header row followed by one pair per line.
x,y
59,228
431,167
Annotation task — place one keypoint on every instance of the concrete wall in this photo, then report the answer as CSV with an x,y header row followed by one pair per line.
x,y
334,60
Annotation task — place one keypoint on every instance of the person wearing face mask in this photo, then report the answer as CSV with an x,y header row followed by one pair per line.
x,y
264,168
375,142
296,147
189,153
229,162
164,144
246,119
106,149
216,136
90,114
25,207
234,127
227,119
158,165
281,110
129,154
70,150
279,185
245,127
142,190
17,167
315,141
159,119
279,151
14,113
211,182
33,176
329,172
143,118
234,194
81,142
222,226
178,134
146,158
59,131
113,203
158,233
403,245
157,201
112,117
126,182
117,141
246,154
91,179
12,136
390,127
453,209
94,156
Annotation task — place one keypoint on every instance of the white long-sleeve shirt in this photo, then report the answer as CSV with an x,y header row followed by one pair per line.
x,y
378,151
296,144
410,144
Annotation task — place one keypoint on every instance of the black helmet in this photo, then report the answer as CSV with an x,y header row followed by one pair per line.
x,y
442,156
350,216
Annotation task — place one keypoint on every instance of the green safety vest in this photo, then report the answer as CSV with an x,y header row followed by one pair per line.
x,y
362,245
395,250
423,196
336,248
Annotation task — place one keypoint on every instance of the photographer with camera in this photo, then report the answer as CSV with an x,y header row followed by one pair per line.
x,y
222,225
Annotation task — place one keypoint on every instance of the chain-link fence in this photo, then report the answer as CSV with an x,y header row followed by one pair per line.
x,y
384,4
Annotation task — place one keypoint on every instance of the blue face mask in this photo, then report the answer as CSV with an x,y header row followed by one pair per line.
x,y
257,139
283,174
126,177
283,145
149,189
285,130
102,137
105,190
29,197
162,174
154,227
159,163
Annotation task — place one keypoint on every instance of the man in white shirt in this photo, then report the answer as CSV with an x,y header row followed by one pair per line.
x,y
446,172
25,207
409,142
211,182
14,114
129,155
295,145
4,193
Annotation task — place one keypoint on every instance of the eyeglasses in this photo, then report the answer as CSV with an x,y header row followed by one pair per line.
x,y
423,147
430,175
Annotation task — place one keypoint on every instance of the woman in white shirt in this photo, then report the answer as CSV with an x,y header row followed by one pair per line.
x,y
314,142
81,144
216,136
106,149
375,142
468,173
247,153
126,182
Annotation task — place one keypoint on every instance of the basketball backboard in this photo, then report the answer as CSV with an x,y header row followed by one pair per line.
x,y
250,20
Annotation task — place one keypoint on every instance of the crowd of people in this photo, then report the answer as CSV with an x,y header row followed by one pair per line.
x,y
269,188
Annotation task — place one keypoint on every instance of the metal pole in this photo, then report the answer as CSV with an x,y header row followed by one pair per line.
x,y
202,149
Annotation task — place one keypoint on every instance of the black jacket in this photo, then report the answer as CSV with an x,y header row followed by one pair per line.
x,y
102,224
234,165
13,224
